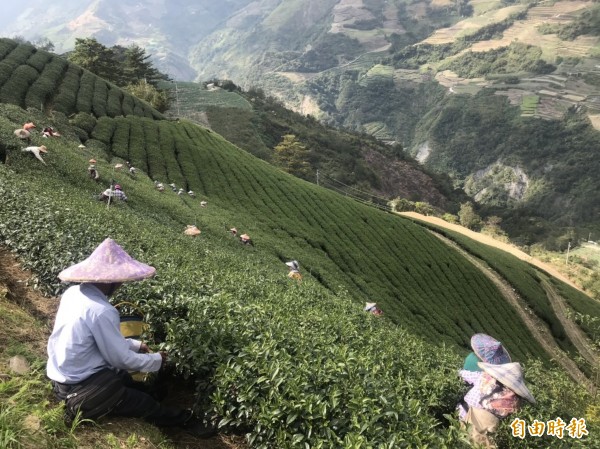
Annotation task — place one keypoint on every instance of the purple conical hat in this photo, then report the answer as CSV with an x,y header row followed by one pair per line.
x,y
109,263
489,349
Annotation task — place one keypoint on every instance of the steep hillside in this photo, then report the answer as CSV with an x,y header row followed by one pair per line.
x,y
390,69
351,163
261,345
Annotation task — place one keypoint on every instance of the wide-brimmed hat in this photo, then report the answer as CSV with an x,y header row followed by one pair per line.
x,y
471,363
369,306
22,133
82,146
511,376
43,149
109,263
293,264
117,166
489,350
92,161
191,230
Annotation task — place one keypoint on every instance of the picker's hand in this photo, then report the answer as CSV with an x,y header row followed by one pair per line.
x,y
164,356
144,349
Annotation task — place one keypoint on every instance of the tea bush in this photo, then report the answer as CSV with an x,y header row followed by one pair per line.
x,y
36,78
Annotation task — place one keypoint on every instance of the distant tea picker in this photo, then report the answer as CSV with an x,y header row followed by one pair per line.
x,y
36,151
372,308
23,134
191,230
246,240
294,268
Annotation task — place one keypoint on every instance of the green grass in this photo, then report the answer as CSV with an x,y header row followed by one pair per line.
x,y
190,96
530,104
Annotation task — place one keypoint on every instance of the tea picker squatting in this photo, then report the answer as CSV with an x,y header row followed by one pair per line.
x,y
498,387
89,359
294,270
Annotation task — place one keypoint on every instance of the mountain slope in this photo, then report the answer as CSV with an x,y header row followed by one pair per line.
x,y
374,255
351,163
259,344
353,64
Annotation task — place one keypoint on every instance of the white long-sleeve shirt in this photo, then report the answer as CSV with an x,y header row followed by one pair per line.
x,y
35,151
87,338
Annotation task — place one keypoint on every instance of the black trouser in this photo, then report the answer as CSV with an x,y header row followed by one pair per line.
x,y
135,401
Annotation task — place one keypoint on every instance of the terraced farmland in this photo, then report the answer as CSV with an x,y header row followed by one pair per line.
x,y
525,31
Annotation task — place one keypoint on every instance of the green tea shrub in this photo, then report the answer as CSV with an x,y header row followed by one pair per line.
x,y
156,162
39,59
128,105
15,89
120,139
87,122
6,46
85,94
13,59
99,102
66,99
113,105
46,85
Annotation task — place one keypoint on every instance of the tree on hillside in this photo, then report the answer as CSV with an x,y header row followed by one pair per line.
x,y
467,216
492,227
137,66
98,59
159,99
41,43
292,156
401,205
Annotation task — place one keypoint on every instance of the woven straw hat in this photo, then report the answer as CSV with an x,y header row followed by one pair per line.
x,y
489,349
191,230
293,264
108,264
369,306
22,133
511,376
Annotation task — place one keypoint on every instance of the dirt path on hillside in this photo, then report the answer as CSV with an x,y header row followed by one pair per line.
x,y
14,286
574,332
492,242
536,326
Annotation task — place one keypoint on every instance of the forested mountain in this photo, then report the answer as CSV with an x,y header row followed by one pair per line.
x,y
502,96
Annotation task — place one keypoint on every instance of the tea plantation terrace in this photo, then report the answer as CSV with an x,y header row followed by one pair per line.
x,y
288,363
